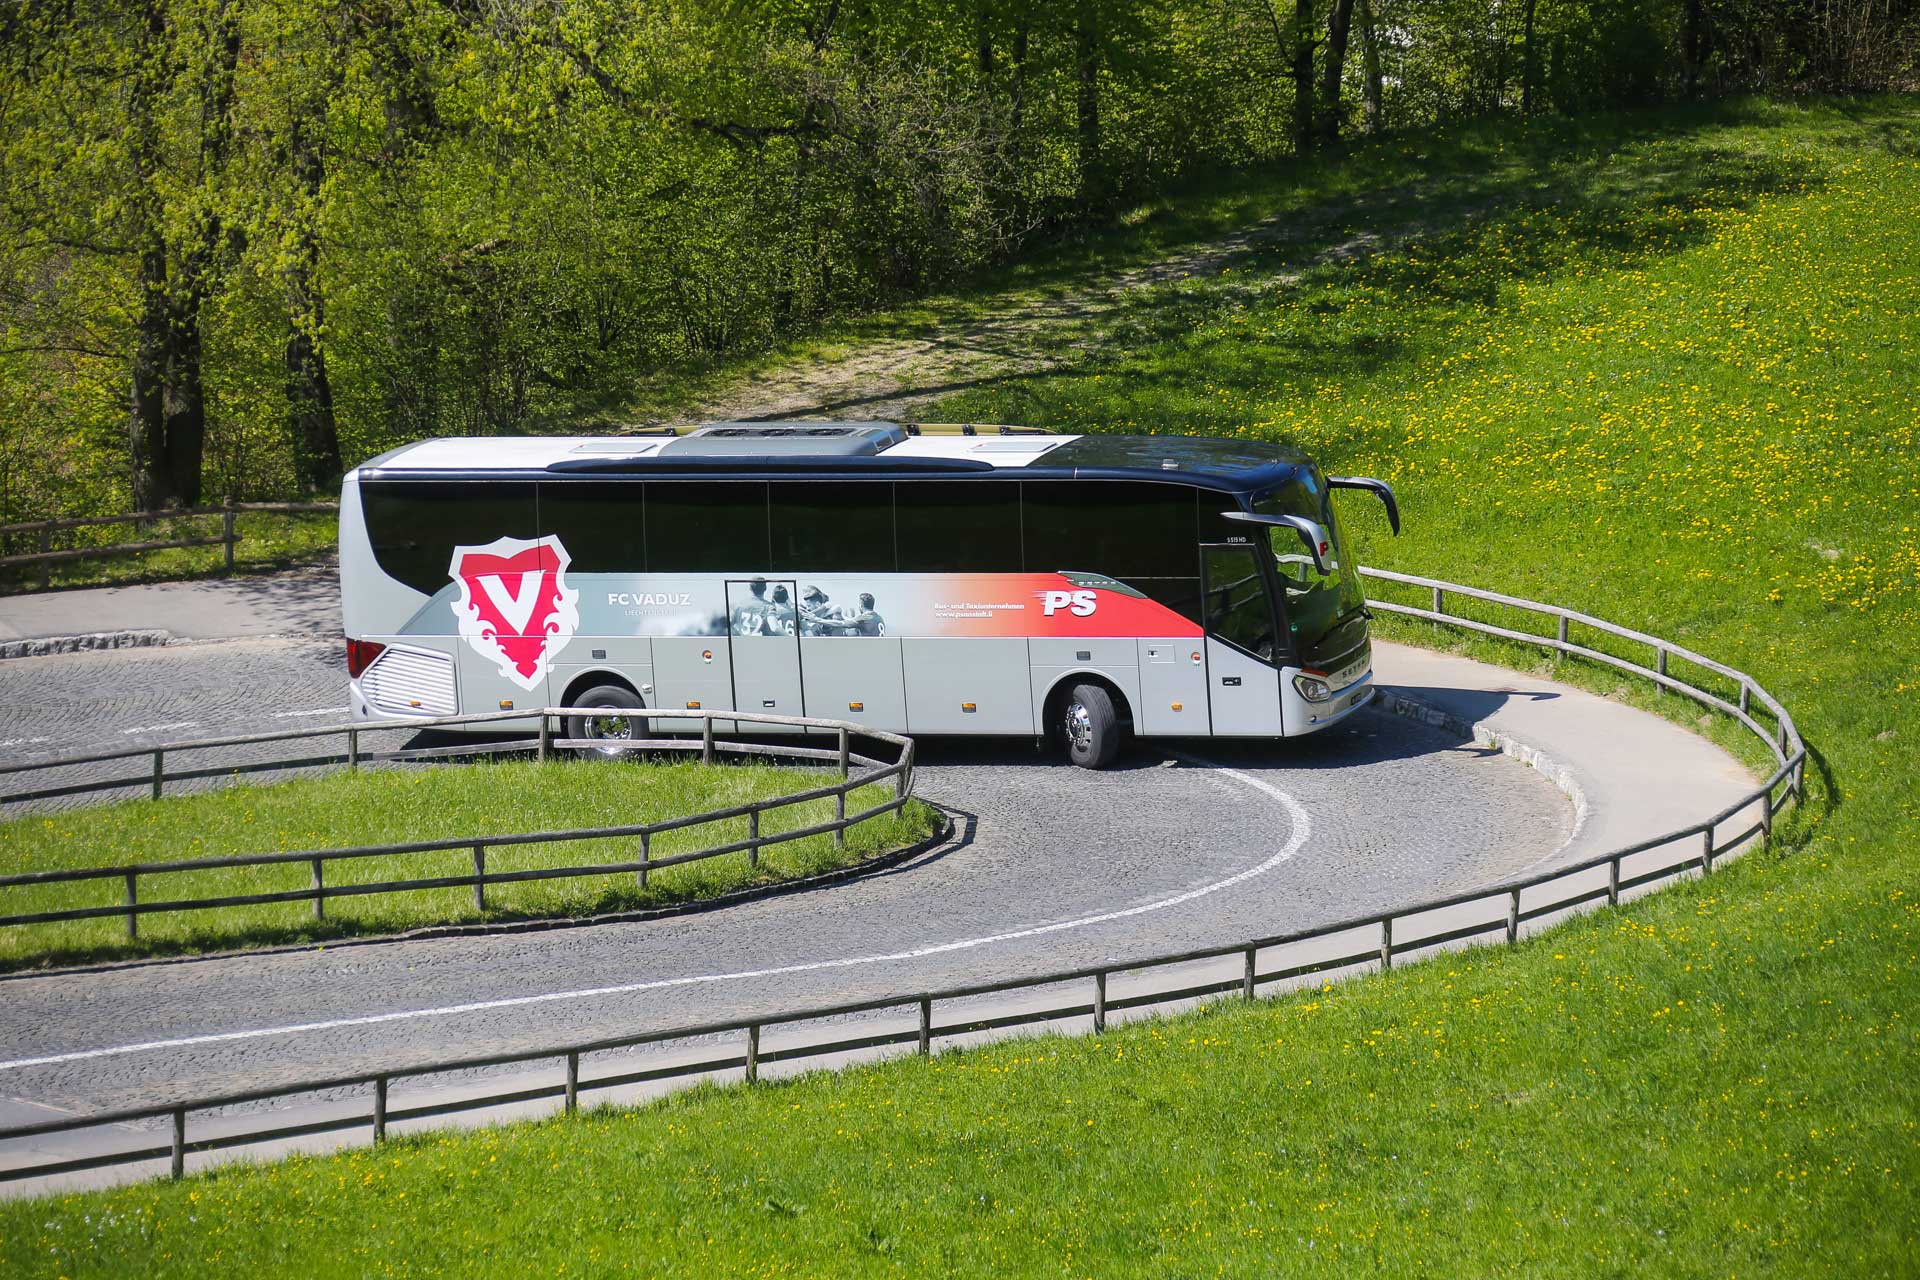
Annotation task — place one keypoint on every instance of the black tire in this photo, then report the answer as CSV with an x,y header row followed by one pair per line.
x,y
614,728
1089,726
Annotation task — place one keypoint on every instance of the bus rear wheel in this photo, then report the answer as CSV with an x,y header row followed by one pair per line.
x,y
1089,726
607,701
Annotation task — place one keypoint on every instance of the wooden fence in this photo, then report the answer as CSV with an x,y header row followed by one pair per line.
x,y
228,513
1502,911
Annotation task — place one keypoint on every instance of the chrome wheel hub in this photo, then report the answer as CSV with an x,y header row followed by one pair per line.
x,y
1079,727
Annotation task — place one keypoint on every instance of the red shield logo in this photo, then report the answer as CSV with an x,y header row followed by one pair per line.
x,y
515,607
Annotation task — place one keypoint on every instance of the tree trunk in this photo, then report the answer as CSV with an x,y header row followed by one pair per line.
x,y
1339,23
1693,44
1086,44
310,421
152,479
1019,86
983,39
1526,60
1303,95
1370,111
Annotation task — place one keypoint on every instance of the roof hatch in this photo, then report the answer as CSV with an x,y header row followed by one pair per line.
x,y
786,440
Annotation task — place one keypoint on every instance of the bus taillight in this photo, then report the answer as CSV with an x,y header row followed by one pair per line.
x,y
360,656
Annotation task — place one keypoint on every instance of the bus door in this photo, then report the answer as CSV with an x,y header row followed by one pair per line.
x,y
763,627
1242,641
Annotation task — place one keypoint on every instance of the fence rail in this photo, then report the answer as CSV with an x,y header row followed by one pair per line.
x,y
1505,909
872,771
229,512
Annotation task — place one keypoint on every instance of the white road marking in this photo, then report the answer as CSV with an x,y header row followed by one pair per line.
x,y
155,728
1302,829
317,711
23,742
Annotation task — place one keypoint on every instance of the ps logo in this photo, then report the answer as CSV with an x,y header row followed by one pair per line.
x,y
1079,603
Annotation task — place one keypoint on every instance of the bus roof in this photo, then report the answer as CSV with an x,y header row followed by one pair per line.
x,y
847,450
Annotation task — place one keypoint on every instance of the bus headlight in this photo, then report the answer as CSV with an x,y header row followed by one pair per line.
x,y
1312,688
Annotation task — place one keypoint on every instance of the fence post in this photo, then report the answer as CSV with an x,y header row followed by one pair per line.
x,y
753,1052
178,1165
1706,851
1386,942
706,740
645,842
1439,600
926,1026
226,531
753,837
1746,695
379,1110
319,897
159,771
1613,882
1561,631
46,566
133,899
845,752
1660,658
1513,919
546,736
1099,1003
573,1081
353,748
840,818
1766,813
1246,980
479,877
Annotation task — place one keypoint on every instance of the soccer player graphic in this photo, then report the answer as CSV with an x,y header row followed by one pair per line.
x,y
752,616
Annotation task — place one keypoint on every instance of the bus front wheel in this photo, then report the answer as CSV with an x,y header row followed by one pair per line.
x,y
1090,727
604,721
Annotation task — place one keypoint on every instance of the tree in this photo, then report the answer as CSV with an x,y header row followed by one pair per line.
x,y
1339,20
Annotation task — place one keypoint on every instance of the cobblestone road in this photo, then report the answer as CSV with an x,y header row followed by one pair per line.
x,y
1041,844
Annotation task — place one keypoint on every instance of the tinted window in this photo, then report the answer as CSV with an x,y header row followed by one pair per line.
x,y
415,527
1237,609
1123,529
957,526
600,525
833,528
704,526
1182,595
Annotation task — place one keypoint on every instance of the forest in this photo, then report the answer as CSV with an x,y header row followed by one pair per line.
x,y
245,243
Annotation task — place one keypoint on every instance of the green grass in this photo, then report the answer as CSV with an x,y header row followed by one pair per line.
x,y
1658,367
394,806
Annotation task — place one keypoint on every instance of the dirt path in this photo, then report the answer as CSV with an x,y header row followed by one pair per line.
x,y
1034,333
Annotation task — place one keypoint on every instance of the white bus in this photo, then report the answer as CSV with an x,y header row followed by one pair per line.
x,y
926,580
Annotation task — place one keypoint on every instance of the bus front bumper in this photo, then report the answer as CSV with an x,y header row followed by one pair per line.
x,y
1301,716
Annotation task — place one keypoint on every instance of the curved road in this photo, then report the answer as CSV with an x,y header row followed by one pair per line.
x,y
1052,867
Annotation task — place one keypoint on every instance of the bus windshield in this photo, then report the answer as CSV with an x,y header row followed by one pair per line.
x,y
1318,606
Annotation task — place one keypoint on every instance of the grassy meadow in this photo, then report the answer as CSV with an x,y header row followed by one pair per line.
x,y
391,806
1658,367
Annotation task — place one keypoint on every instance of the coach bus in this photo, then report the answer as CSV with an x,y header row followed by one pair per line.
x,y
927,580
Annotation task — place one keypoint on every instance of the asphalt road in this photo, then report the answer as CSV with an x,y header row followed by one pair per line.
x,y
1052,867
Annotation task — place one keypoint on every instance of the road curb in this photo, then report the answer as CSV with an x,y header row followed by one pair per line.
x,y
1488,734
44,646
941,834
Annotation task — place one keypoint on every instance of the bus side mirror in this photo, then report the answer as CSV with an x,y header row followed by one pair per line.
x,y
1380,488
1310,533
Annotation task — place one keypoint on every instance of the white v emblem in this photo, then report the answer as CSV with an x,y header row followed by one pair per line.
x,y
516,607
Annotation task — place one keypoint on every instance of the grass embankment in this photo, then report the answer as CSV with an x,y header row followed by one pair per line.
x,y
267,540
1661,368
389,807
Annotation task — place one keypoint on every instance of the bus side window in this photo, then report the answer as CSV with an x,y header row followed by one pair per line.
x,y
414,527
828,527
600,524
696,525
958,526
1123,528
